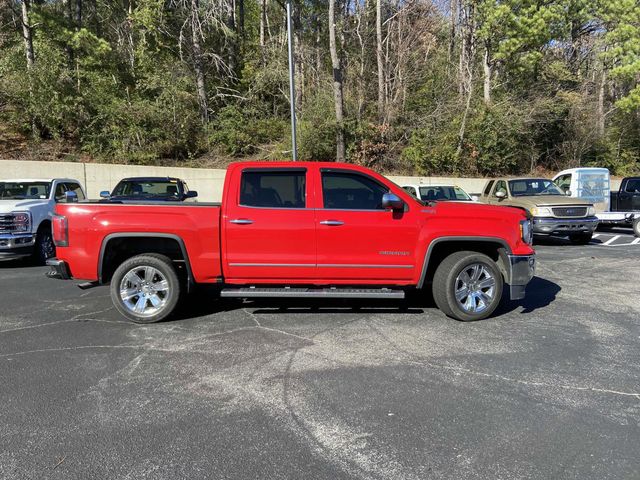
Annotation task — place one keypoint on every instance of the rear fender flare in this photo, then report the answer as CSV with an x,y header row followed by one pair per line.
x,y
112,236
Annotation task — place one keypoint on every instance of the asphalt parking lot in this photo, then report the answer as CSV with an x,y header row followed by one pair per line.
x,y
549,388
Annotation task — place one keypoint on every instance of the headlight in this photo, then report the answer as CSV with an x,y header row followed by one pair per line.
x,y
591,211
541,212
526,231
22,222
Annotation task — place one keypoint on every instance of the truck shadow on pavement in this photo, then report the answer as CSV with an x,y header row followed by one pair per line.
x,y
540,293
24,262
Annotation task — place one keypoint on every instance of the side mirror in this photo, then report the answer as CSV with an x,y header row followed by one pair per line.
x,y
567,192
392,201
191,194
70,197
500,194
105,194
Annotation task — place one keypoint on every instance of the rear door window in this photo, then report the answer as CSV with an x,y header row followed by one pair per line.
x,y
488,188
273,189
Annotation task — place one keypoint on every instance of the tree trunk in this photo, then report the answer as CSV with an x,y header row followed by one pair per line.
x,y
453,10
337,83
263,24
197,61
600,120
381,103
26,33
488,73
31,57
241,17
68,16
79,13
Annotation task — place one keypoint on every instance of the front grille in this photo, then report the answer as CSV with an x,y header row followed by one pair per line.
x,y
7,224
567,212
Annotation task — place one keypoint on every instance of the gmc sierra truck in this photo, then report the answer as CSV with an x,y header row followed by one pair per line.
x,y
305,229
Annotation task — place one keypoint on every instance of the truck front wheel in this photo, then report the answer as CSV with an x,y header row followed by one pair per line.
x,y
45,249
467,286
145,288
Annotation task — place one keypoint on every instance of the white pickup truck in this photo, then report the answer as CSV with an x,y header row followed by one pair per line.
x,y
26,208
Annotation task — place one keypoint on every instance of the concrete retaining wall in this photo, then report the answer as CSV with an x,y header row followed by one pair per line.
x,y
96,177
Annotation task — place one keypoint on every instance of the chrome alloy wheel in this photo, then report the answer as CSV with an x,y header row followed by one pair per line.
x,y
475,288
144,291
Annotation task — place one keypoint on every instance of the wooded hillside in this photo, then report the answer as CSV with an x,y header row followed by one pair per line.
x,y
470,87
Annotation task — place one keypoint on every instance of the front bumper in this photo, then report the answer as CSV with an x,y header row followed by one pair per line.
x,y
59,269
16,246
522,268
549,226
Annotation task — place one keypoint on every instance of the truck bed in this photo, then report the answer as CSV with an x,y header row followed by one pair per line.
x,y
195,226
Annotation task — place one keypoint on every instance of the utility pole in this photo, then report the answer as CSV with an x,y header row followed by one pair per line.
x,y
292,90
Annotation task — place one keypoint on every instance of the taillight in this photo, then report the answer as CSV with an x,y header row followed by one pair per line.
x,y
60,231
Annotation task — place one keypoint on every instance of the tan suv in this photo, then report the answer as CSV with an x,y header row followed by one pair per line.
x,y
554,213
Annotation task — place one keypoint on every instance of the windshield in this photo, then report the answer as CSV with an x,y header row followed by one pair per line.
x,y
23,190
533,187
431,193
167,189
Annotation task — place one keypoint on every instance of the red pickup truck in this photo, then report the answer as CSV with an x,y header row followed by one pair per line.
x,y
306,229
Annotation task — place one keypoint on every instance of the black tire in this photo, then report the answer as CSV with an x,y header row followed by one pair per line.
x,y
146,292
44,248
445,283
580,238
636,227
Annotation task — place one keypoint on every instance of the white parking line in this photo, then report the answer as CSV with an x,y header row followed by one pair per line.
x,y
611,240
635,242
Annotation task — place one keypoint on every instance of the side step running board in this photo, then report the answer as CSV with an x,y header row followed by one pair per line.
x,y
294,292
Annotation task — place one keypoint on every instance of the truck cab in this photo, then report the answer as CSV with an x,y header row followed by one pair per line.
x,y
627,199
26,208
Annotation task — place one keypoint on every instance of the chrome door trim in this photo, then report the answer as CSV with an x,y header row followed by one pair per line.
x,y
241,221
355,265
320,265
272,264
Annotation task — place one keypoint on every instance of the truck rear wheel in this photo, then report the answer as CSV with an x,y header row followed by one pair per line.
x,y
467,286
636,227
145,288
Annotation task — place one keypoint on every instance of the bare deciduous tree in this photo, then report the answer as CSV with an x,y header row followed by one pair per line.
x,y
337,83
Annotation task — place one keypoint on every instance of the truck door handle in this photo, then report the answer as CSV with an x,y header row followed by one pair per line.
x,y
241,221
332,223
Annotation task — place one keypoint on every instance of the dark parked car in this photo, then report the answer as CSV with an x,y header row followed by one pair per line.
x,y
161,189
